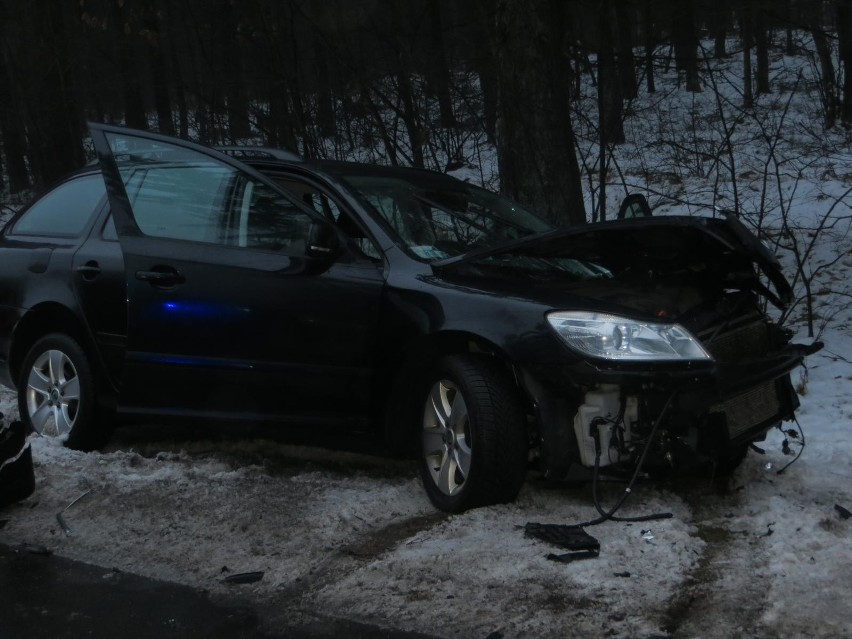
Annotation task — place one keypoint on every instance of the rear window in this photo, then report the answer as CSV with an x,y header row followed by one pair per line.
x,y
66,210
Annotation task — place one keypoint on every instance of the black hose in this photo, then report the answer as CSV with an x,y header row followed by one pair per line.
x,y
610,516
801,449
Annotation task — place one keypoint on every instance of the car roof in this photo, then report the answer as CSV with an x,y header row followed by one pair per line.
x,y
338,168
257,152
270,158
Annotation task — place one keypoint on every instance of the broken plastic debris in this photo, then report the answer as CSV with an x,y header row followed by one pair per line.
x,y
62,524
59,518
768,466
647,535
244,577
845,514
35,549
572,538
568,557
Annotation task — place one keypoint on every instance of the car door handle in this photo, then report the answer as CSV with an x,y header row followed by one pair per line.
x,y
90,270
164,277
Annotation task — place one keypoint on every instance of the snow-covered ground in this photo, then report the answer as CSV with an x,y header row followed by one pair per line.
x,y
344,534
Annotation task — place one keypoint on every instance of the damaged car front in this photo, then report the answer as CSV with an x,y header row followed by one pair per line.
x,y
658,345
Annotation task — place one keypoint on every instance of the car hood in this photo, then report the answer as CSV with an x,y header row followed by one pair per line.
x,y
638,263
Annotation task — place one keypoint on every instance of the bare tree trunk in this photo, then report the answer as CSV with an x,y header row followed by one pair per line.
x,y
488,84
154,40
326,116
535,141
828,81
227,98
686,42
55,123
761,42
844,35
408,113
626,66
720,15
485,65
11,131
650,42
134,103
439,68
610,97
746,23
792,18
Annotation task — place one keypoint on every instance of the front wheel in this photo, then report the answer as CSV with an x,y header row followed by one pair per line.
x,y
56,393
473,439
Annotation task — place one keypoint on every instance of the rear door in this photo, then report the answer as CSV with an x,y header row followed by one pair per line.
x,y
227,315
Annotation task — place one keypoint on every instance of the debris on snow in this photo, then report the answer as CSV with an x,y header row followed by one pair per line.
x,y
244,577
572,538
59,516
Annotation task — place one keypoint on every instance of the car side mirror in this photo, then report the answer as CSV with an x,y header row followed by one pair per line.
x,y
634,205
323,242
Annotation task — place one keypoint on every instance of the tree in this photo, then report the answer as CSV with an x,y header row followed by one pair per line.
x,y
746,26
844,36
761,46
685,42
45,87
535,140
720,15
135,114
14,142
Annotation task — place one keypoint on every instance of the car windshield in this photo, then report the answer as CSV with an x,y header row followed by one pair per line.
x,y
436,217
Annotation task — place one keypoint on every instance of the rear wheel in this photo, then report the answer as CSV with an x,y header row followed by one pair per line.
x,y
56,393
473,438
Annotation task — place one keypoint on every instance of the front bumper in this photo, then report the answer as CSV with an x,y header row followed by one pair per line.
x,y
716,407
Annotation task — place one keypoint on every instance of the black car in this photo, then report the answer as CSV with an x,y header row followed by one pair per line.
x,y
175,280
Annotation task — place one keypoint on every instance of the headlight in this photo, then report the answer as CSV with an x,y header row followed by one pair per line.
x,y
620,338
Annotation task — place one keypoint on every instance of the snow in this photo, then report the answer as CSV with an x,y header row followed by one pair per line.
x,y
346,534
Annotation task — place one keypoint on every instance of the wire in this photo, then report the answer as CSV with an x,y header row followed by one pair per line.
x,y
801,448
610,516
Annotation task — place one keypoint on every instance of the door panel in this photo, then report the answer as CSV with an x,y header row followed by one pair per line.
x,y
226,313
98,268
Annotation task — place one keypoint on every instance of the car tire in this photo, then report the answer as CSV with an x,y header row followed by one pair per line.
x,y
57,393
473,435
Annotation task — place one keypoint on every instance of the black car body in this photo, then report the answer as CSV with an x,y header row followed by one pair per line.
x,y
321,292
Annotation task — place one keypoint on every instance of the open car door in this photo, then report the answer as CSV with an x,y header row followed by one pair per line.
x,y
230,313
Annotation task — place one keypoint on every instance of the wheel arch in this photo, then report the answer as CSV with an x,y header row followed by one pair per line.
x,y
43,319
410,371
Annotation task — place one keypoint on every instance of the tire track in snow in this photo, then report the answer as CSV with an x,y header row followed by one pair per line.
x,y
294,604
725,594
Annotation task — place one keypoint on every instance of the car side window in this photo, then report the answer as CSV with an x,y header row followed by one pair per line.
x,y
66,210
318,200
183,194
262,219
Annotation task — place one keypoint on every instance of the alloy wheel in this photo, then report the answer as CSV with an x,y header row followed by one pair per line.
x,y
447,438
53,394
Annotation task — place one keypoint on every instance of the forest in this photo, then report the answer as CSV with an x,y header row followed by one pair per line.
x,y
429,83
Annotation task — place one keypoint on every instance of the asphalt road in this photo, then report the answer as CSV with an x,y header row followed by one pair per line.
x,y
42,595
